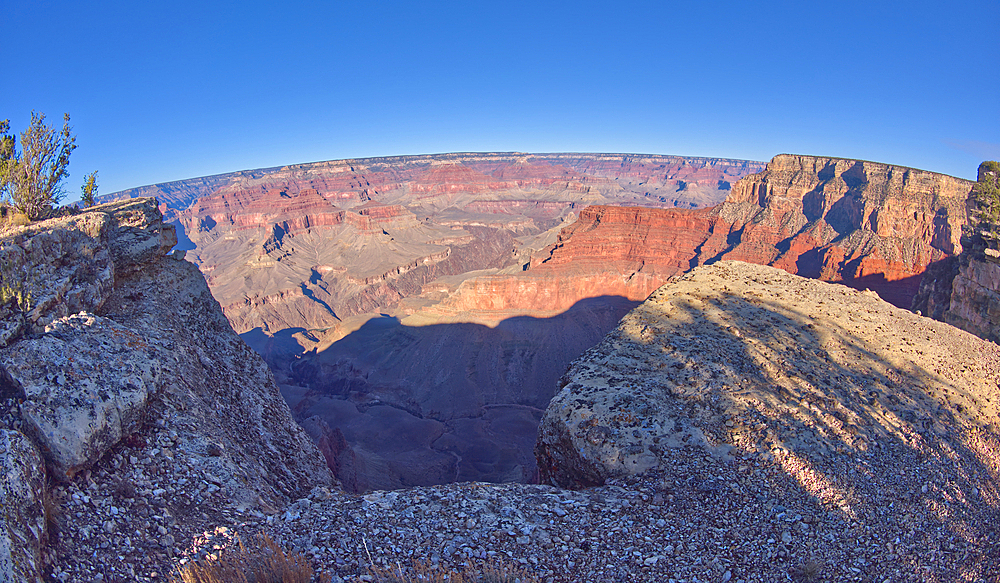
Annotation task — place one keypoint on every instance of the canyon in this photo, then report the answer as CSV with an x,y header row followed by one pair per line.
x,y
349,277
741,423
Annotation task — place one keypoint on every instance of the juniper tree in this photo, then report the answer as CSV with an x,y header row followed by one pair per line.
x,y
30,178
89,189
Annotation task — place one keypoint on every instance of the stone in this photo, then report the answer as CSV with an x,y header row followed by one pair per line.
x,y
23,529
86,382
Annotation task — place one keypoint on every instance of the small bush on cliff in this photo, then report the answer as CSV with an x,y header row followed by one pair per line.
x,y
14,288
30,178
89,190
983,231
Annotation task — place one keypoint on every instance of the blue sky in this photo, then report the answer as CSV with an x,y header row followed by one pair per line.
x,y
162,91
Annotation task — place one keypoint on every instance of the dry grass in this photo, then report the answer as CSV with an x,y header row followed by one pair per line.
x,y
492,571
809,570
52,510
258,560
10,219
18,220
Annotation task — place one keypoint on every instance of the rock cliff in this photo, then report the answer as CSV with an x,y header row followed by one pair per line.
x,y
124,376
866,224
965,291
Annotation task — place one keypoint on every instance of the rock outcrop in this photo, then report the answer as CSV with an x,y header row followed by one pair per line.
x,y
86,382
126,363
854,402
736,359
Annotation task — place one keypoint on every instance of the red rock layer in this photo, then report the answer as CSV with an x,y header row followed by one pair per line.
x,y
659,241
371,217
252,209
361,180
862,223
865,224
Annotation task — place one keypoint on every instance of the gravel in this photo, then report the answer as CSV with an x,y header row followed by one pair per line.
x,y
699,520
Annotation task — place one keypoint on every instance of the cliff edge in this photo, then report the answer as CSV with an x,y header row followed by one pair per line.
x,y
856,407
123,385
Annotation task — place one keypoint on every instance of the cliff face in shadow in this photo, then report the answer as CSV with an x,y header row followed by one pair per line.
x,y
965,291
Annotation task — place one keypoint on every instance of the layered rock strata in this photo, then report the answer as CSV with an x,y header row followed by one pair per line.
x,y
866,224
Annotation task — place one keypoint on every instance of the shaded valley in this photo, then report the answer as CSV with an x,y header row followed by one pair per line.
x,y
418,311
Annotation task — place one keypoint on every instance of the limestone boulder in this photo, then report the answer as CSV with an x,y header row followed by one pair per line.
x,y
22,511
68,265
86,381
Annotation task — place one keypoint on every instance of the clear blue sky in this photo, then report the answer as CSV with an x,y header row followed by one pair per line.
x,y
162,91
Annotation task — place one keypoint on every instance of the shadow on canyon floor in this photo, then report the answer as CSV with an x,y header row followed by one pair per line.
x,y
394,406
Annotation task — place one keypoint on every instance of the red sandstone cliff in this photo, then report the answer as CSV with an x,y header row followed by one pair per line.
x,y
865,224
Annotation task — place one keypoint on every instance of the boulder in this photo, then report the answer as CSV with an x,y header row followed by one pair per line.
x,y
86,382
68,265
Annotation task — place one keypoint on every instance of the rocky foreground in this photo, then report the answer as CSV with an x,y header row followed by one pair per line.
x,y
743,424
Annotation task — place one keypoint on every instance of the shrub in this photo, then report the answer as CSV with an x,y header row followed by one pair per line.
x,y
30,178
88,194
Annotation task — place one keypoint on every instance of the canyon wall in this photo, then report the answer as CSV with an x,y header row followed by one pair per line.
x,y
965,291
506,266
862,223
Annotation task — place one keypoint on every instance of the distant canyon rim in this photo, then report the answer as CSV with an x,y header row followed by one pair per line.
x,y
419,311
